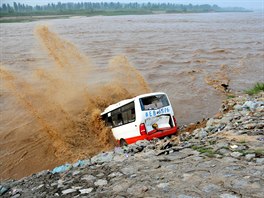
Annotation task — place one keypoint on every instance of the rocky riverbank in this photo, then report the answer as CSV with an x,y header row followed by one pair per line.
x,y
223,159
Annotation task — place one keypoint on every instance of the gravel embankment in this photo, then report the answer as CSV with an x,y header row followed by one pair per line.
x,y
224,159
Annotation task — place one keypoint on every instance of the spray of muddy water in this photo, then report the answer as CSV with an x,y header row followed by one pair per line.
x,y
61,107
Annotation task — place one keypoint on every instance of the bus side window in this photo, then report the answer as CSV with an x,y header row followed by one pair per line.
x,y
128,113
132,115
119,119
125,117
109,122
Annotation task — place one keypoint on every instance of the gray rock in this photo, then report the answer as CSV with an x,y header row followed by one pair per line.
x,y
252,105
202,134
40,186
120,158
210,188
238,107
218,128
54,184
211,122
241,132
226,195
129,170
242,147
60,183
236,154
76,187
189,151
133,176
224,151
16,195
82,163
100,182
3,189
163,152
75,172
119,150
100,175
142,143
226,120
255,132
218,156
156,165
115,174
121,186
86,191
150,147
137,189
250,156
150,153
197,158
228,127
186,176
134,148
163,185
103,157
229,159
250,126
164,145
259,126
239,183
221,145
260,160
88,178
260,109
209,128
184,196
68,191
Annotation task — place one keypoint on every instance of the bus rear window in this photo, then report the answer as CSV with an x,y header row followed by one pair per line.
x,y
154,102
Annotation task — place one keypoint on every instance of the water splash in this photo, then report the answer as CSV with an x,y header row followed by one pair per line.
x,y
63,102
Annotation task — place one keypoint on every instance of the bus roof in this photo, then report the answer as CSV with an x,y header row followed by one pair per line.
x,y
124,102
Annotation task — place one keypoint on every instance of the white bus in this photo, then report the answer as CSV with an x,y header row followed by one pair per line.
x,y
145,116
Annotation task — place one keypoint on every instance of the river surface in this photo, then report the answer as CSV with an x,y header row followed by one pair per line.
x,y
188,56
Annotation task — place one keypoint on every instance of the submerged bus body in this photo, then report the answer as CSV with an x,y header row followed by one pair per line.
x,y
145,116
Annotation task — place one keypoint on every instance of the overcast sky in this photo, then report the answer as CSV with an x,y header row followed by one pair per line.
x,y
250,4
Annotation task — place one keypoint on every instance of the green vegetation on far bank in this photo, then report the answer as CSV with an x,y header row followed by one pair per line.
x,y
258,87
21,12
66,14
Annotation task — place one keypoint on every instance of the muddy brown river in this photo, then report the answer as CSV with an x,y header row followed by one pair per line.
x,y
57,75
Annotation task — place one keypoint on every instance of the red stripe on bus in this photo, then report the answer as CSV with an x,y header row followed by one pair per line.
x,y
154,134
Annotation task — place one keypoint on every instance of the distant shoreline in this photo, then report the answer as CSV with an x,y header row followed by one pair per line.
x,y
30,18
27,13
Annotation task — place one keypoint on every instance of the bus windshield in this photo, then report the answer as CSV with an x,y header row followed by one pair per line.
x,y
154,102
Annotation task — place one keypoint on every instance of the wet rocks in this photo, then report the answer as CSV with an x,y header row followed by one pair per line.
x,y
249,157
100,182
3,189
86,191
68,191
236,154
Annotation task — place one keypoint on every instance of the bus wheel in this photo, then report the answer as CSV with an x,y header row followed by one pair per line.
x,y
123,142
